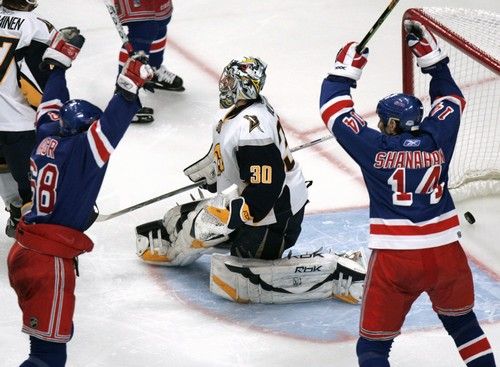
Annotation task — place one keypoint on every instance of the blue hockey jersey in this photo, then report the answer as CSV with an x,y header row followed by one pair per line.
x,y
67,172
406,175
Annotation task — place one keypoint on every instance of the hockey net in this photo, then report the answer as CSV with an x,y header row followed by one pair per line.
x,y
470,38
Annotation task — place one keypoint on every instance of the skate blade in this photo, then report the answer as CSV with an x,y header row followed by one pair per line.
x,y
142,119
172,89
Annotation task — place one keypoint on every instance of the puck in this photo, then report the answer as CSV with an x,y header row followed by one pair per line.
x,y
469,217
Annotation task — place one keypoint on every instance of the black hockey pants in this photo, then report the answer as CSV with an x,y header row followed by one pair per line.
x,y
16,148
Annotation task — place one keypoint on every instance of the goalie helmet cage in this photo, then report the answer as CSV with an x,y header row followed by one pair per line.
x,y
470,38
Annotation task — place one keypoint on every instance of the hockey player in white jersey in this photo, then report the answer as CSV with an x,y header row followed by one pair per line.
x,y
24,38
258,210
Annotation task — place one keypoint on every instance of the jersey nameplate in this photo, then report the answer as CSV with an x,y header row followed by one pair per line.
x,y
12,23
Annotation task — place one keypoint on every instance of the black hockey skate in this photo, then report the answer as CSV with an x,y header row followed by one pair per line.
x,y
143,116
164,79
14,218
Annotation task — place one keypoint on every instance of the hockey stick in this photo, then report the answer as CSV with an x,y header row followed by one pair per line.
x,y
361,46
119,27
145,114
104,217
311,143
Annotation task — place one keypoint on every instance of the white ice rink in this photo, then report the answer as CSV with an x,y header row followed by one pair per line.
x,y
129,314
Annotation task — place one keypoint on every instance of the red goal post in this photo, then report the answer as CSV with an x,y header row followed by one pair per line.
x,y
470,38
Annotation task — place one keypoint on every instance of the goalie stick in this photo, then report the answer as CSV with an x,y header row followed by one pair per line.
x,y
376,26
104,217
145,114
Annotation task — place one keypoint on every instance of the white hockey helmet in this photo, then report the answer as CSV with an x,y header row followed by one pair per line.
x,y
241,79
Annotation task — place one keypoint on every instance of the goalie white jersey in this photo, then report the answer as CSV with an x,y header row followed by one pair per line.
x,y
251,151
24,38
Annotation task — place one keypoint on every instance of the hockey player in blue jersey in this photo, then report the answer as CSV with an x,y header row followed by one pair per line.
x,y
74,142
414,228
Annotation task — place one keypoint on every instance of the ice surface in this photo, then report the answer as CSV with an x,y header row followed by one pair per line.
x,y
131,314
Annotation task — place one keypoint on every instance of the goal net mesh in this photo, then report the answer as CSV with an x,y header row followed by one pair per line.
x,y
471,40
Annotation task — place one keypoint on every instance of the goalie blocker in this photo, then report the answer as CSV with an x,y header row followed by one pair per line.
x,y
306,277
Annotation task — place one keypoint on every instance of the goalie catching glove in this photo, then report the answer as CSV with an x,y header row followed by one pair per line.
x,y
171,241
134,74
235,213
190,230
423,44
64,47
349,63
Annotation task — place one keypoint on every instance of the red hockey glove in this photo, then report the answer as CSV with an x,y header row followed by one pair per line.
x,y
349,63
134,74
423,44
64,47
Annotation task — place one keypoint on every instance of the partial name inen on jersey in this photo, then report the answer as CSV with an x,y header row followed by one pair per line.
x,y
409,159
12,23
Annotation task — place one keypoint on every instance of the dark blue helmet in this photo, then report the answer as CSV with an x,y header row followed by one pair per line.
x,y
406,109
77,115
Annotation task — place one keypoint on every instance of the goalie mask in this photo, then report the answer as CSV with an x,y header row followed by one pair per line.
x,y
405,109
77,115
241,79
22,5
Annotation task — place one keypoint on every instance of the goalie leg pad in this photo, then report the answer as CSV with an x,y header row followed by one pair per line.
x,y
300,278
186,232
151,242
154,246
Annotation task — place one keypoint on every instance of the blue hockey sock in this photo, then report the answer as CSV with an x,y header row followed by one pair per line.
x,y
373,353
472,343
155,54
45,354
142,34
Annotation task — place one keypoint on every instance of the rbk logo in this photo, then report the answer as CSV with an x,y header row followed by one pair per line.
x,y
411,143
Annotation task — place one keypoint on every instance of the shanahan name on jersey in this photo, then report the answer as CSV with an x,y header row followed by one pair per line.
x,y
250,150
406,174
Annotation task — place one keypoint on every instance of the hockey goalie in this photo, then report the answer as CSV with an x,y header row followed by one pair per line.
x,y
257,211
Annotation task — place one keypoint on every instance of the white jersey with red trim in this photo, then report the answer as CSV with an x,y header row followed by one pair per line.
x,y
251,151
406,175
22,36
67,171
